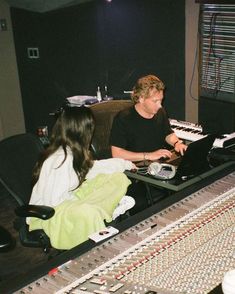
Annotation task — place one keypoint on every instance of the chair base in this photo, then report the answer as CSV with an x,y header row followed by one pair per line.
x,y
6,241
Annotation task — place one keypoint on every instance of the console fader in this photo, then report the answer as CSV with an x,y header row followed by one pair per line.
x,y
185,248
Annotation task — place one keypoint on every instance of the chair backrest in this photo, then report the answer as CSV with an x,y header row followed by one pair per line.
x,y
104,113
18,155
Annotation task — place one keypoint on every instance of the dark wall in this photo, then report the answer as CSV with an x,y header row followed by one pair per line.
x,y
216,116
96,44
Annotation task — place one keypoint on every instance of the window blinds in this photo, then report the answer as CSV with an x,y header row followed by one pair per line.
x,y
217,48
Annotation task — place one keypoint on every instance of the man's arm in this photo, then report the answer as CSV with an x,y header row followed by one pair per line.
x,y
178,144
125,154
139,156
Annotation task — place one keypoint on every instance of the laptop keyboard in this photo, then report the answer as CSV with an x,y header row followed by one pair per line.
x,y
175,161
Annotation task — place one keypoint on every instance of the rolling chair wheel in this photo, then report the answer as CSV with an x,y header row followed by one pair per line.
x,y
6,241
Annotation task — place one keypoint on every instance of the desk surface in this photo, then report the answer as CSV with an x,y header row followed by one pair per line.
x,y
176,184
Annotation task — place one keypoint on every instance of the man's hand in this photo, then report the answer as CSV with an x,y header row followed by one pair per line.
x,y
180,147
160,153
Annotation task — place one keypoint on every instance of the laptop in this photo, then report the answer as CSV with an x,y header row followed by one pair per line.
x,y
194,161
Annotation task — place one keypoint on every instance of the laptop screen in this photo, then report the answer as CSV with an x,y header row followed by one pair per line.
x,y
194,160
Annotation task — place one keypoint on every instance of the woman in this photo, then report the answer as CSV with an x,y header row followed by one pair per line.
x,y
84,193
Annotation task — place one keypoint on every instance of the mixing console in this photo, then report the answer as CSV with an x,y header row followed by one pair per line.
x,y
185,248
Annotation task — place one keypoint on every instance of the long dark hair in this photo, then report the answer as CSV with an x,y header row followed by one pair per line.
x,y
74,128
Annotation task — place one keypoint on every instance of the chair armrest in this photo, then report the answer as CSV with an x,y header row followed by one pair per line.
x,y
38,211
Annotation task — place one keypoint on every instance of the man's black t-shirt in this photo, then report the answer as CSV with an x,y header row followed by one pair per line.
x,y
132,132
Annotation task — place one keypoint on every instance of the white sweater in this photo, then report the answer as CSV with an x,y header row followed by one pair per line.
x,y
56,184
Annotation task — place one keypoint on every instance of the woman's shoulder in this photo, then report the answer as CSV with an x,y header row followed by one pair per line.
x,y
55,159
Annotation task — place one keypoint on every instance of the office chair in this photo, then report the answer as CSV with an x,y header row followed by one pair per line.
x,y
18,155
104,113
7,242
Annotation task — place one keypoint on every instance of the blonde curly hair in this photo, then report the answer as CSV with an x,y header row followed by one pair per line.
x,y
144,85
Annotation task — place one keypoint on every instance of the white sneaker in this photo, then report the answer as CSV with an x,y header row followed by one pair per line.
x,y
126,203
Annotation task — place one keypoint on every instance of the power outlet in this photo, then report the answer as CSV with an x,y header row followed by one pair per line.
x,y
3,24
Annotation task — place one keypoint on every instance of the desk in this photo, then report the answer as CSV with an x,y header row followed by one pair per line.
x,y
176,184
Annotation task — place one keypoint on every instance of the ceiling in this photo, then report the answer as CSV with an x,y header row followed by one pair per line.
x,y
43,5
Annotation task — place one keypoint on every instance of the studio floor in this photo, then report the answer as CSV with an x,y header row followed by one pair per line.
x,y
19,260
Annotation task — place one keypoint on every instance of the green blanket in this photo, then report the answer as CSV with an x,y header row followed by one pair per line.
x,y
75,220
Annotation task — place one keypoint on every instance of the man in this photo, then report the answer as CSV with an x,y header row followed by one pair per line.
x,y
143,132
